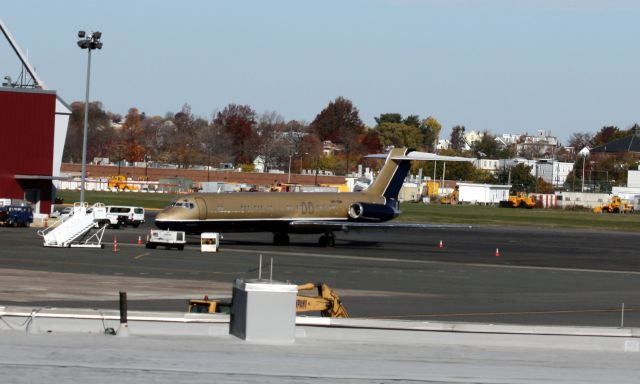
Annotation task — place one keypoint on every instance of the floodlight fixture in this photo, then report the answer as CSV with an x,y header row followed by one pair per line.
x,y
90,41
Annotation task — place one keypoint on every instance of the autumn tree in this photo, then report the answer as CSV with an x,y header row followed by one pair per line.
x,y
430,129
607,134
131,135
238,122
388,118
412,120
340,122
312,147
151,127
399,135
371,142
101,137
457,138
183,140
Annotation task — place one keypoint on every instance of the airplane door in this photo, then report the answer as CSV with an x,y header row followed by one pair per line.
x,y
202,208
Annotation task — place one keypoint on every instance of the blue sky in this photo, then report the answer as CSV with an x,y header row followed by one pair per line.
x,y
506,66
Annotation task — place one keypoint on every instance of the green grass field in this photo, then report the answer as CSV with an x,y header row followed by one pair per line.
x,y
541,218
427,213
147,200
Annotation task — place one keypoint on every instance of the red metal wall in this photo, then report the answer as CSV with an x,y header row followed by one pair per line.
x,y
27,119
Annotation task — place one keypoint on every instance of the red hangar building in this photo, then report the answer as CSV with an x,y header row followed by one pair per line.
x,y
33,128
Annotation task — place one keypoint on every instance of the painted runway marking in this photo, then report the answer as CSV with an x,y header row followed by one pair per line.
x,y
140,256
516,313
427,262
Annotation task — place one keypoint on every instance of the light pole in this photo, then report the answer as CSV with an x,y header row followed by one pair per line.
x,y
290,156
89,42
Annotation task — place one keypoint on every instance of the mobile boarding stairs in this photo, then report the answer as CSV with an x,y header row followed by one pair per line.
x,y
84,228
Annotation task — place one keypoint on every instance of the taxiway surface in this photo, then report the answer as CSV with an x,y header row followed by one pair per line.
x,y
541,276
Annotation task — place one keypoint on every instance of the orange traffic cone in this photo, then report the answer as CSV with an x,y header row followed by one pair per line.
x,y
115,244
440,245
497,252
139,240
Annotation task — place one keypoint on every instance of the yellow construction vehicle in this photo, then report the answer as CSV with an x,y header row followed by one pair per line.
x,y
616,205
327,302
118,182
121,183
209,306
451,198
520,200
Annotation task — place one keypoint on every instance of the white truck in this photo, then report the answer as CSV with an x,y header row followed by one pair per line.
x,y
167,239
125,215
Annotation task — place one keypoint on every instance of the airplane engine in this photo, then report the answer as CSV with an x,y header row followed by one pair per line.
x,y
371,212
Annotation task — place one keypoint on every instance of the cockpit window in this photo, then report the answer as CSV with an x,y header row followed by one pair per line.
x,y
183,204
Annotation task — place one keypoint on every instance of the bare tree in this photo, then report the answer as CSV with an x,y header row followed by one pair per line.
x,y
271,144
580,140
215,144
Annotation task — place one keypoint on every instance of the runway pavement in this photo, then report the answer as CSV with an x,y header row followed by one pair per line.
x,y
541,276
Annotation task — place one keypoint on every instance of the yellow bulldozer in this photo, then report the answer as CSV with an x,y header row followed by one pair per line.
x,y
520,200
617,205
452,198
326,302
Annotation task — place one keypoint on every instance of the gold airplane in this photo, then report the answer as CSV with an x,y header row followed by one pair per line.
x,y
299,212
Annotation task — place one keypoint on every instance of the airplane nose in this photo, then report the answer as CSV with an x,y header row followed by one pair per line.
x,y
160,220
161,216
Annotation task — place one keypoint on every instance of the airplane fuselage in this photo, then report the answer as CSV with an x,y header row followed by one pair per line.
x,y
261,211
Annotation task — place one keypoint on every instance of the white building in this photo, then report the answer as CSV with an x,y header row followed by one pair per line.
x,y
258,164
553,172
633,178
491,165
443,144
488,194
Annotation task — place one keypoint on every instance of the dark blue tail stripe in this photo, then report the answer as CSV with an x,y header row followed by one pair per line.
x,y
393,189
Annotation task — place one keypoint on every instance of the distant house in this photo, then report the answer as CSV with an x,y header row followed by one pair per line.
x,y
584,152
258,164
329,148
443,144
491,165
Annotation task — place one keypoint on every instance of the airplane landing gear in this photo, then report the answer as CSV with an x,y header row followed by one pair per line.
x,y
327,240
280,239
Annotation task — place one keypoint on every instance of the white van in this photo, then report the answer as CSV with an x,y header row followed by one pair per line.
x,y
123,215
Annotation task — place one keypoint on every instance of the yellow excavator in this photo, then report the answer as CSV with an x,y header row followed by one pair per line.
x,y
327,302
520,200
615,206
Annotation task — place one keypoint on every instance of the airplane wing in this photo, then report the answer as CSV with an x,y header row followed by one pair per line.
x,y
343,225
423,156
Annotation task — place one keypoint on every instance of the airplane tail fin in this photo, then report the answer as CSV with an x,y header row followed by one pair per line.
x,y
391,176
